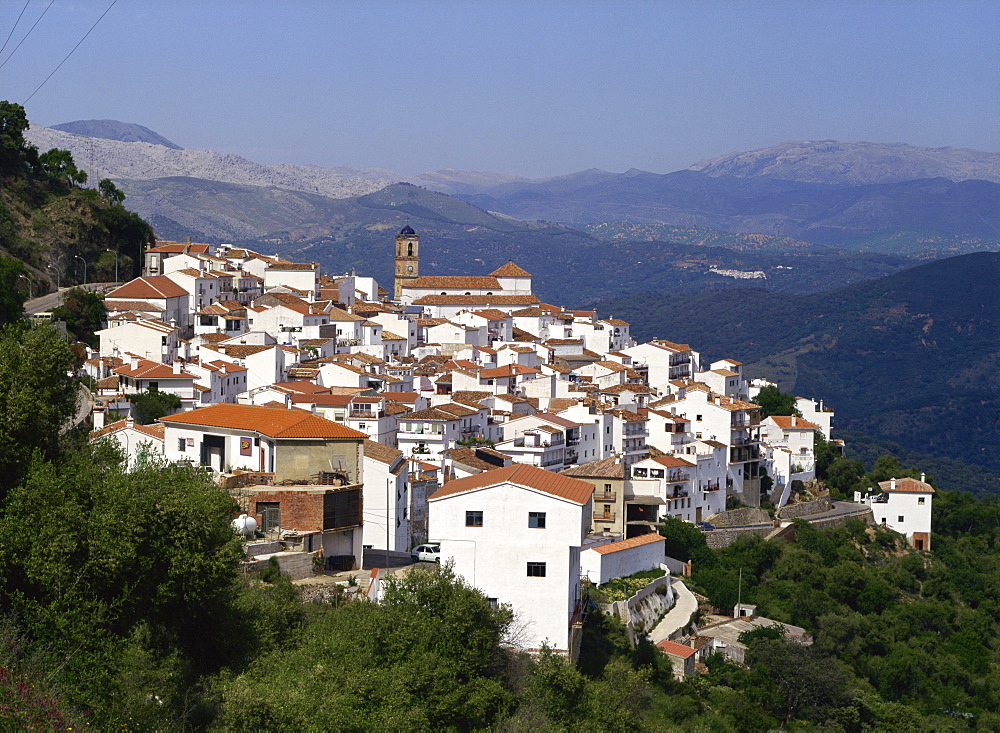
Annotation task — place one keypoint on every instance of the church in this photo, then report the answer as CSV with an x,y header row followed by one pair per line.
x,y
507,288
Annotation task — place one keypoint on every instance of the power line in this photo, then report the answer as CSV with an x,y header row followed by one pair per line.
x,y
71,52
26,34
13,27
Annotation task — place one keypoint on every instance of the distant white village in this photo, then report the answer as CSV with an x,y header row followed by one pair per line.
x,y
527,443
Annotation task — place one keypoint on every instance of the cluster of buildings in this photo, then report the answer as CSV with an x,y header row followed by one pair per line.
x,y
458,410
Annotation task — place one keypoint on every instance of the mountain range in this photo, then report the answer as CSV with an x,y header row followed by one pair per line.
x,y
806,216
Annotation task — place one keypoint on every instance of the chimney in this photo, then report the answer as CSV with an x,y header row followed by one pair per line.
x,y
892,484
923,477
129,422
98,418
177,366
133,362
793,421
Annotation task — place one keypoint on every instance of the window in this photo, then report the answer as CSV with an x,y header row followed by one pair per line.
x,y
656,473
698,418
536,520
901,518
494,603
921,499
536,570
270,515
473,519
181,445
640,472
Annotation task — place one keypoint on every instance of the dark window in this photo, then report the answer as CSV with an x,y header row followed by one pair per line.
x,y
473,519
342,509
536,570
901,519
270,515
536,520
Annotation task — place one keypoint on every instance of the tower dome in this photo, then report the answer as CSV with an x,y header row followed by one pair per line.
x,y
407,230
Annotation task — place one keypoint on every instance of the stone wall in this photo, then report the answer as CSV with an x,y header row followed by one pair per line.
x,y
641,612
739,517
805,508
719,538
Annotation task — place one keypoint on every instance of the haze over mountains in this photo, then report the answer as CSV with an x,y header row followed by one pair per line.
x,y
776,211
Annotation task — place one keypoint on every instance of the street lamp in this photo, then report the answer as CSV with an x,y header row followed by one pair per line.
x,y
28,280
53,267
116,262
78,257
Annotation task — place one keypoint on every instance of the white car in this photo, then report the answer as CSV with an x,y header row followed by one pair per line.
x,y
426,553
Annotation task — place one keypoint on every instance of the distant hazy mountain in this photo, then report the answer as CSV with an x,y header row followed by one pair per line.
x,y
830,161
118,160
127,132
815,212
451,181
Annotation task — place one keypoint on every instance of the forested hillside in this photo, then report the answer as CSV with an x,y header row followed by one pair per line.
x,y
910,358
51,224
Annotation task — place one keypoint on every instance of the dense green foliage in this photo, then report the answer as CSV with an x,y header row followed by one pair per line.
x,y
910,358
773,401
12,290
83,312
47,220
153,404
124,608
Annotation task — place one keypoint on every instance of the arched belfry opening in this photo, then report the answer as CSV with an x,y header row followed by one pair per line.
x,y
407,259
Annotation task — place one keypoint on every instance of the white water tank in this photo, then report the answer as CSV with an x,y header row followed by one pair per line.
x,y
245,525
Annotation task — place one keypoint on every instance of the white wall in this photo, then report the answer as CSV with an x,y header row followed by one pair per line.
x,y
600,568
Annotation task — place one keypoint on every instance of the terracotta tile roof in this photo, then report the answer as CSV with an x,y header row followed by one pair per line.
x,y
487,300
510,370
907,485
671,345
492,314
638,541
610,467
634,388
725,372
792,422
672,462
510,270
304,266
562,403
159,286
615,322
519,474
675,649
381,453
241,351
274,422
469,457
400,396
302,387
471,282
131,305
146,369
556,420
523,336
612,365
389,336
471,398
628,415
153,431
442,412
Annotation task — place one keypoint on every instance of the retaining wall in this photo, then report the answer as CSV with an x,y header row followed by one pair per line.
x,y
806,508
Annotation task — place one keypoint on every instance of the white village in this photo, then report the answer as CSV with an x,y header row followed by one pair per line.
x,y
459,419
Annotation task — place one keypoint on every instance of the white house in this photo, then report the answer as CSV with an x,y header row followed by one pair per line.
x,y
905,507
171,300
516,534
138,442
152,340
385,498
604,562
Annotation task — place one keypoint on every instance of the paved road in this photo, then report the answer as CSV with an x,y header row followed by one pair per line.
x,y
839,509
54,300
677,617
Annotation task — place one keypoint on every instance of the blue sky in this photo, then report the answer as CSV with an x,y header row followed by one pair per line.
x,y
533,88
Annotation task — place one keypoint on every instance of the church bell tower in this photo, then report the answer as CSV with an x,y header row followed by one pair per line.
x,y
407,259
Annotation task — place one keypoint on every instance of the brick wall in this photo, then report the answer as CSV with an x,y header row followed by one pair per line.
x,y
302,510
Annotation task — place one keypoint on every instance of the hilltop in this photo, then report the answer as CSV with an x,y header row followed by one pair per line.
x,y
910,358
128,132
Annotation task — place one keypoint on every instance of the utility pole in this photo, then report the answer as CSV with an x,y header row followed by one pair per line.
x,y
53,267
28,280
387,524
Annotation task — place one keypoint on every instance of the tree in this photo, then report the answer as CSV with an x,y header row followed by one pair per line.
x,y
14,149
129,578
110,191
37,396
59,168
153,404
11,297
773,401
83,313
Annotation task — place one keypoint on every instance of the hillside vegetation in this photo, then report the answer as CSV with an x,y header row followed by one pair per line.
x,y
49,222
911,358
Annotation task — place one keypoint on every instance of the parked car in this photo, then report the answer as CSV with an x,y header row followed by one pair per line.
x,y
705,526
426,553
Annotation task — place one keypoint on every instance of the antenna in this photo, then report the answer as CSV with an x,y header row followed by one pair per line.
x,y
739,592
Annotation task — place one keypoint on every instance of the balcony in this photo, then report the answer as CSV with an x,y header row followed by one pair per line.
x,y
607,517
678,476
606,496
572,441
366,414
709,486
